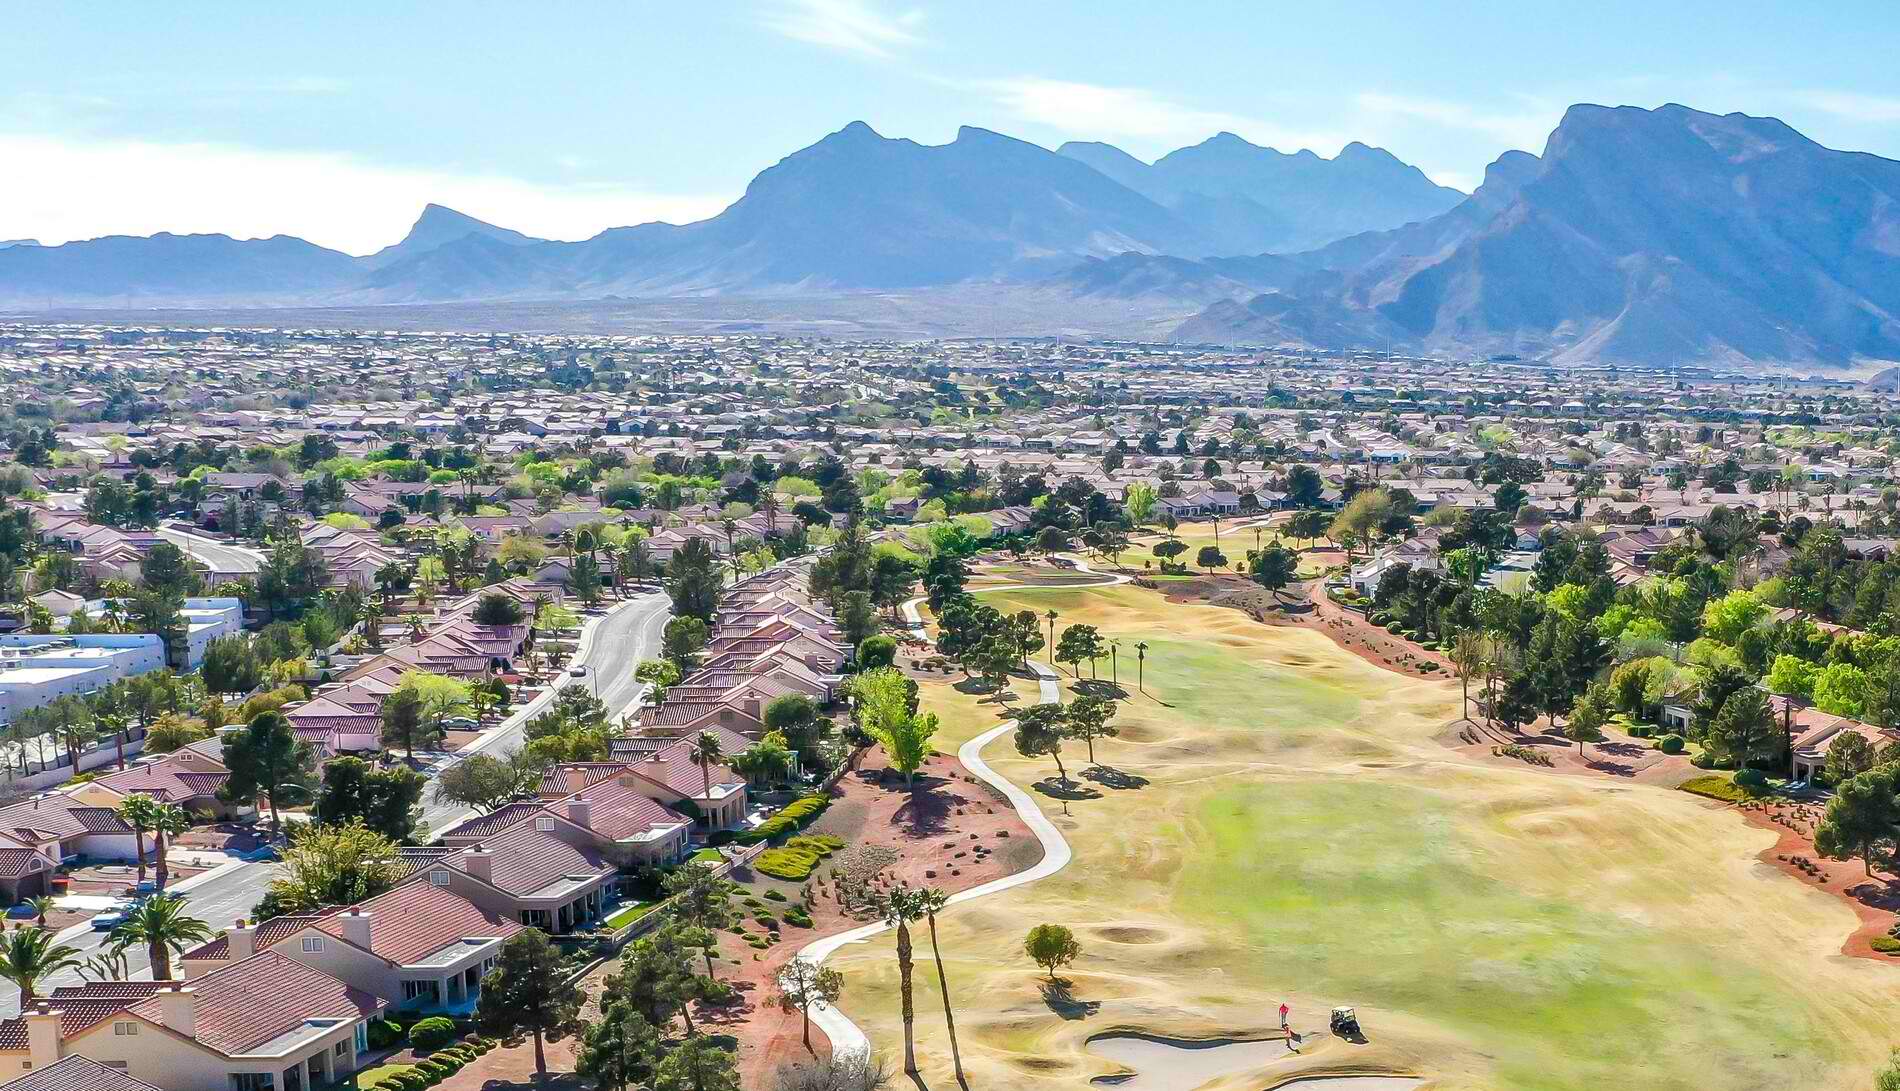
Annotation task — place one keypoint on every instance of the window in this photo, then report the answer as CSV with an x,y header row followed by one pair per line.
x,y
544,823
125,1027
253,1081
120,1065
362,1037
312,944
439,878
341,1048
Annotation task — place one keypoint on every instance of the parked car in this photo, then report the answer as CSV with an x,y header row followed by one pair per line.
x,y
261,854
459,723
107,920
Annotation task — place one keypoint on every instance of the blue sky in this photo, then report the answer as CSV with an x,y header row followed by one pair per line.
x,y
337,121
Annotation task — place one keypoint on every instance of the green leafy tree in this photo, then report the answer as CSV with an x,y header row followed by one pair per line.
x,y
702,900
1588,716
528,992
1052,947
1080,643
1848,756
661,674
694,580
697,1064
1744,731
485,782
1041,731
386,800
1089,718
332,865
264,759
620,1051
681,641
1273,567
1863,818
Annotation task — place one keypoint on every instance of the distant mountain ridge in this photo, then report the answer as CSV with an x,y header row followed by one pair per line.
x,y
1260,200
1639,235
854,211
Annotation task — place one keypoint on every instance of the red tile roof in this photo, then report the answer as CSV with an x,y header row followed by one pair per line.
x,y
77,1073
418,919
268,934
248,1003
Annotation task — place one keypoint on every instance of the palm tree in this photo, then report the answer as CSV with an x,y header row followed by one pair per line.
x,y
932,900
29,954
1050,617
138,812
1141,666
42,905
171,820
704,751
160,923
902,906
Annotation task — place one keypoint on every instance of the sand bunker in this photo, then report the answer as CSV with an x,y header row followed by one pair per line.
x,y
1181,1064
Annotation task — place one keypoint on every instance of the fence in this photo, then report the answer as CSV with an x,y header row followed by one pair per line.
x,y
60,769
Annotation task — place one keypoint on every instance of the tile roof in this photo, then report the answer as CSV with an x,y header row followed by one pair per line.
x,y
79,1006
78,1073
527,858
271,932
246,1004
418,919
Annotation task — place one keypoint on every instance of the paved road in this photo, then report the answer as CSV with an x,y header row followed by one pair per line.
x,y
217,897
219,556
610,648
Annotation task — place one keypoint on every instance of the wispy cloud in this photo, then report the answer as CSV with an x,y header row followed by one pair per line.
x,y
1851,106
849,26
63,190
1088,110
1526,128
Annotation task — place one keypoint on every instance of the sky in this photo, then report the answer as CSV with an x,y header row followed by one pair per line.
x,y
338,122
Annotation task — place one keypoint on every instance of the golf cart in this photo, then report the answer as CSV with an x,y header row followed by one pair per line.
x,y
1346,1024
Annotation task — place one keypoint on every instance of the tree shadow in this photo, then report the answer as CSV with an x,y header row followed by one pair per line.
x,y
927,809
1060,997
1097,687
1613,768
1110,777
1059,789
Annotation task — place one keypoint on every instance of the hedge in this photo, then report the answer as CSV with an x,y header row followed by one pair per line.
x,y
1886,945
1716,787
432,1033
796,815
1670,744
383,1034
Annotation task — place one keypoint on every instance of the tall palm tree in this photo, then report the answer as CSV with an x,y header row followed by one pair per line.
x,y
901,907
932,900
42,905
170,820
161,924
27,955
138,812
704,751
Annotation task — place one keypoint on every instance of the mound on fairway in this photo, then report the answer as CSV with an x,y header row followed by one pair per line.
x,y
1298,836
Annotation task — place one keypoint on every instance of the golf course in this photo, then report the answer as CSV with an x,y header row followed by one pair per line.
x,y
1282,826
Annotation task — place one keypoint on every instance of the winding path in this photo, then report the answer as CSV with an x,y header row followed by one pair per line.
x,y
846,1038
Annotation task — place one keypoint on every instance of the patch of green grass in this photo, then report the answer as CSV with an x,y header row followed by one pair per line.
x,y
1364,890
630,914
369,1079
708,857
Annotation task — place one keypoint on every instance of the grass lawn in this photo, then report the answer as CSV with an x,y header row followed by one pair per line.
x,y
634,912
368,1079
707,856
1302,837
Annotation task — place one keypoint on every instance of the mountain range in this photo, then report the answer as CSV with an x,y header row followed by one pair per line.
x,y
1649,236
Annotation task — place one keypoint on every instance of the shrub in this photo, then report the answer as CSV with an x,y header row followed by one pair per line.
x,y
796,815
1716,787
1754,780
1641,731
1704,760
1886,945
1395,626
383,1034
786,863
774,896
797,917
432,1033
1670,744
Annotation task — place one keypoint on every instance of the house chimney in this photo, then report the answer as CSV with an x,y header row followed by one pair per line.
x,y
580,811
356,927
479,862
177,1007
241,939
42,1037
576,779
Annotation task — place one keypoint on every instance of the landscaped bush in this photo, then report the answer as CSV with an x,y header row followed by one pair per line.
x,y
1754,780
797,917
1395,626
1704,760
797,814
1670,744
1886,945
1641,731
1716,787
774,895
383,1034
786,863
432,1033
